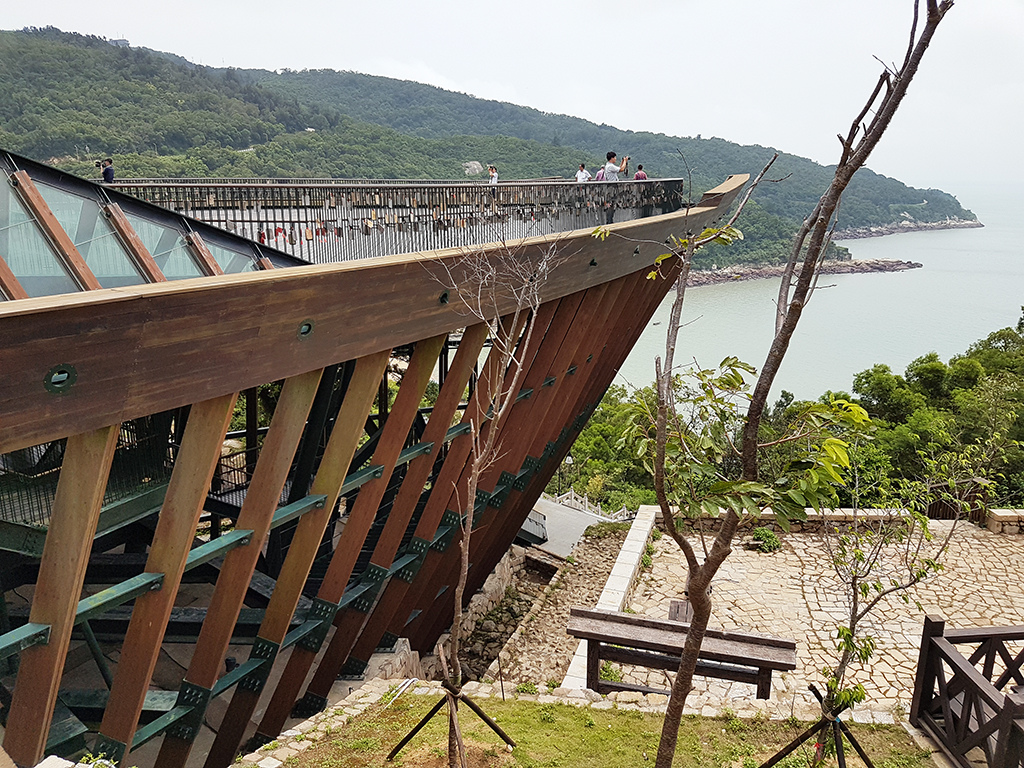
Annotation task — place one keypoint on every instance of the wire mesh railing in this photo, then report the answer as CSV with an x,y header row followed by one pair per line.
x,y
326,221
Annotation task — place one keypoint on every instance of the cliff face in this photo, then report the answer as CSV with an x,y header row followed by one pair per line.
x,y
906,225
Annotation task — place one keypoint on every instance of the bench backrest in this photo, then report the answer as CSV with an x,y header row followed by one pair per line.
x,y
663,636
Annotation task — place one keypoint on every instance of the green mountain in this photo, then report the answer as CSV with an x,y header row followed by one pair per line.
x,y
72,99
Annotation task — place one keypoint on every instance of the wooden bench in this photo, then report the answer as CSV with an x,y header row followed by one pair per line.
x,y
626,638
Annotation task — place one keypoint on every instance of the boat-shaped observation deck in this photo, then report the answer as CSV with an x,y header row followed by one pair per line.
x,y
180,404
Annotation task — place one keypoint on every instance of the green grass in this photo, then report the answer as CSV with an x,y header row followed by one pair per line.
x,y
555,735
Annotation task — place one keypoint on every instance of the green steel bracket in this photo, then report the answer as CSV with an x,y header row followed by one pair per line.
x,y
446,531
309,705
297,635
94,605
113,750
459,429
236,675
410,453
22,539
387,643
373,577
483,498
549,381
214,548
524,394
571,371
532,463
416,547
352,594
523,478
322,611
361,478
353,669
296,509
23,637
266,651
197,699
547,453
412,616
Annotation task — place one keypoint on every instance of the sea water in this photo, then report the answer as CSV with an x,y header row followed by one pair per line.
x,y
972,283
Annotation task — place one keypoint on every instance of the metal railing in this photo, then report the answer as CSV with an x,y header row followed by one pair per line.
x,y
972,705
324,221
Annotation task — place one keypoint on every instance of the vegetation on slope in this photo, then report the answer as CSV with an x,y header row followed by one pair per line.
x,y
73,99
974,399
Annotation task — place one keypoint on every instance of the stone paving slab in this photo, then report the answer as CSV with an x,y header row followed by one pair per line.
x,y
790,593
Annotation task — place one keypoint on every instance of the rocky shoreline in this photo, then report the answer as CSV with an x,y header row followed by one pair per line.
x,y
862,266
858,233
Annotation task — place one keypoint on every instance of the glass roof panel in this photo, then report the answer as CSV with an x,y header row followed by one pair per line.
x,y
27,252
93,236
168,247
231,261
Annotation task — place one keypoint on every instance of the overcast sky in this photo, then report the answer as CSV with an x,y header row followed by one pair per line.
x,y
786,73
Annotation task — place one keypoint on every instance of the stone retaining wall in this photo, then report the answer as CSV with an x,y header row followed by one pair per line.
x,y
492,593
1008,521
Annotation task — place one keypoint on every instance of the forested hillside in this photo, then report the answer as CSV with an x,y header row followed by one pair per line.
x,y
72,99
427,111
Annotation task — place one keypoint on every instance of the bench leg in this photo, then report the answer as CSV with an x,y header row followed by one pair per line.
x,y
764,683
593,664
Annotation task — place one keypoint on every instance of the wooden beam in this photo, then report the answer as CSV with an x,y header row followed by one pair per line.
x,y
349,622
257,511
360,519
150,348
198,247
433,512
334,465
582,317
75,512
66,250
133,244
9,285
175,530
638,300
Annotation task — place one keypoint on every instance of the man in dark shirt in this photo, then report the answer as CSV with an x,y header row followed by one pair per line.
x,y
108,171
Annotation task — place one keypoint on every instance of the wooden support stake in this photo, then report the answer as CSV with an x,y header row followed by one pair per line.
x,y
75,513
33,200
175,531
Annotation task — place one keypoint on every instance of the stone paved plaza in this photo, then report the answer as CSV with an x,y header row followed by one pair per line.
x,y
792,593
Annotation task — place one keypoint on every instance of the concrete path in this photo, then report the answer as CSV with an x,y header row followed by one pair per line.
x,y
790,593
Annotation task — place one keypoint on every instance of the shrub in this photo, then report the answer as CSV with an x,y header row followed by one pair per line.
x,y
765,540
527,687
610,672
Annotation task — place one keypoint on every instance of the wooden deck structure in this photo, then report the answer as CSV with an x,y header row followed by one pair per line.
x,y
83,370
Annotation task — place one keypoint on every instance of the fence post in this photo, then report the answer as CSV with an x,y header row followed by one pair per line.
x,y
934,626
1006,718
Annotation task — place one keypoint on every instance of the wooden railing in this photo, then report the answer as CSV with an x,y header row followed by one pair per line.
x,y
972,705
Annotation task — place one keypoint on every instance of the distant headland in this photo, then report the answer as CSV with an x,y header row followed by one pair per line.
x,y
731,274
905,225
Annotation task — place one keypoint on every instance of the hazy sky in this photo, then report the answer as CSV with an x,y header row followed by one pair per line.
x,y
786,73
